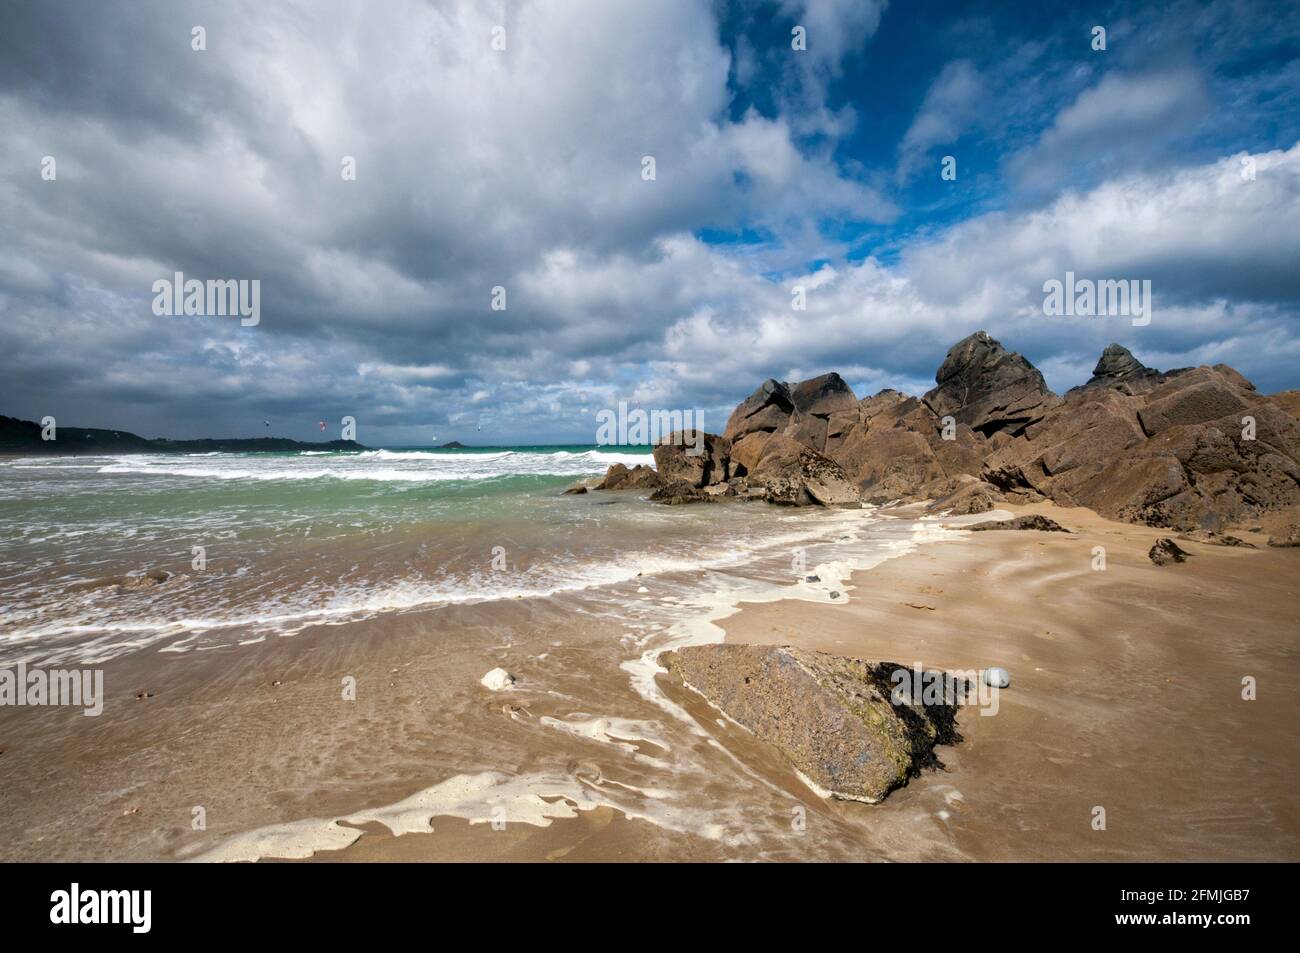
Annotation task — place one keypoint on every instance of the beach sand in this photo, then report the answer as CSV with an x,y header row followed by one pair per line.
x,y
1126,687
1126,694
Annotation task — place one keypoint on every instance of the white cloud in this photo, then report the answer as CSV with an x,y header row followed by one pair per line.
x,y
1113,127
951,106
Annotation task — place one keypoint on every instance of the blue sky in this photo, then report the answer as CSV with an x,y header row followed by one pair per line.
x,y
520,168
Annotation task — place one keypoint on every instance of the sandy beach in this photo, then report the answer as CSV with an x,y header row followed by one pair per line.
x,y
1126,689
1126,694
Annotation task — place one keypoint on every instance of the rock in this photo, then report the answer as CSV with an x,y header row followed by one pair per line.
x,y
1292,539
838,427
888,463
997,678
791,474
807,430
693,457
989,388
1090,430
679,492
145,580
1165,448
1210,538
1117,365
823,396
619,477
1193,398
766,410
497,680
1288,401
1030,521
869,407
1166,551
832,718
962,495
747,451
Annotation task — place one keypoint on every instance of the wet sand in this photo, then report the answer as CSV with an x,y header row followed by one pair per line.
x,y
1126,688
1126,694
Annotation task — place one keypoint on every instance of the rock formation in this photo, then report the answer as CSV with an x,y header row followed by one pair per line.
x,y
834,719
1192,448
990,389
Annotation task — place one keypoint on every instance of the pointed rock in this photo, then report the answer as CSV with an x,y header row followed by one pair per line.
x,y
823,396
1117,362
990,389
766,410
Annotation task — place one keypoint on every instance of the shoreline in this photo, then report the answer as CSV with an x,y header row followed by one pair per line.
x,y
1000,796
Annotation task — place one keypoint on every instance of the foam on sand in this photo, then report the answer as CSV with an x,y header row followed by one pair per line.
x,y
488,797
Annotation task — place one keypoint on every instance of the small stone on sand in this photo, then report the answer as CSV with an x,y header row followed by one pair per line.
x,y
997,677
497,680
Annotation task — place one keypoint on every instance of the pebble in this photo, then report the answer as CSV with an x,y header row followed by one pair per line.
x,y
997,677
497,679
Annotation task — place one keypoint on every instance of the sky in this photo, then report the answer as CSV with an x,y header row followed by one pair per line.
x,y
503,146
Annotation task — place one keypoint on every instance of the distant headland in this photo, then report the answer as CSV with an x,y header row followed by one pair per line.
x,y
25,436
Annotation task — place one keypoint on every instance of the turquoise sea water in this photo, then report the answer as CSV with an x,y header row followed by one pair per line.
x,y
254,544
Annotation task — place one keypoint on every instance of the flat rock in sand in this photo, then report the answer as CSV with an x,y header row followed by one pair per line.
x,y
830,717
1030,521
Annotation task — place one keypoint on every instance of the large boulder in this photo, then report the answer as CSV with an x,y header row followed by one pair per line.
x,y
619,477
692,457
766,410
869,407
962,495
808,430
888,464
791,474
833,719
988,388
747,451
823,396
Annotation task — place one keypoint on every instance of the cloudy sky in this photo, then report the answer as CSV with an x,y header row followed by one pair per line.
x,y
1173,156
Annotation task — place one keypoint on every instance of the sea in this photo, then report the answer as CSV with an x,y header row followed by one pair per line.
x,y
114,554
